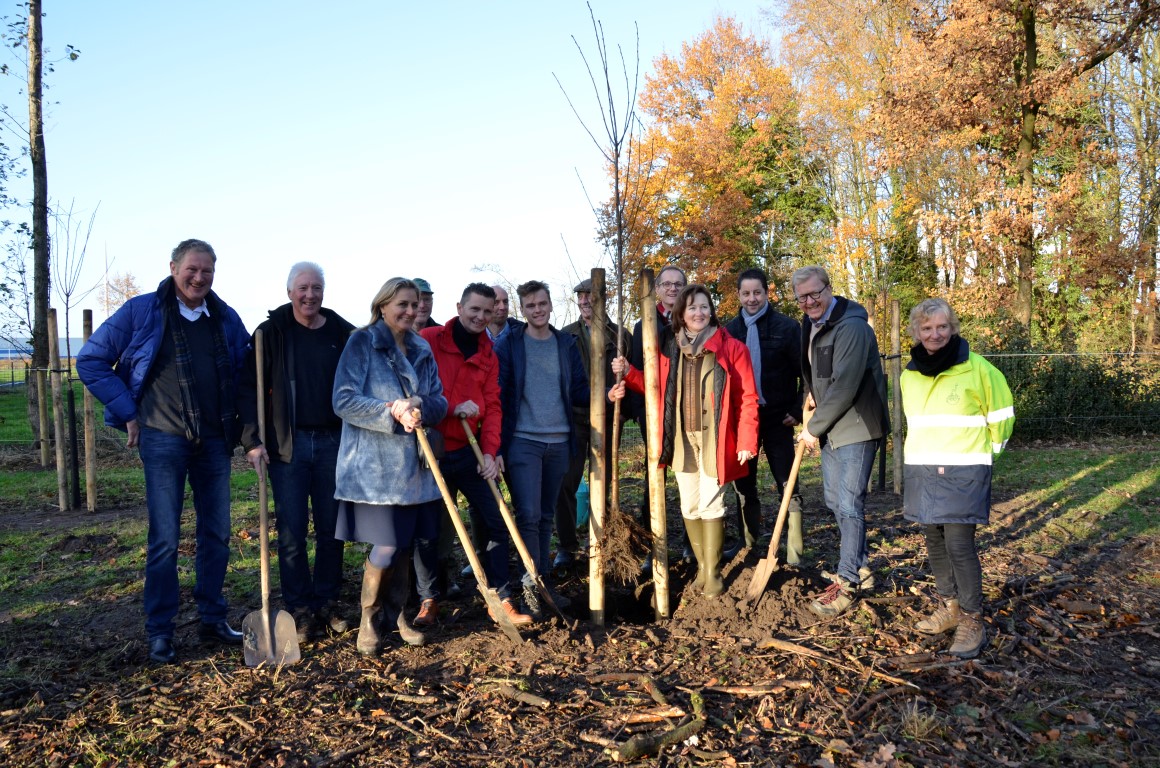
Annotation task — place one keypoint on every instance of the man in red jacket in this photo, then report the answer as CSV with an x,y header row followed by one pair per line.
x,y
469,371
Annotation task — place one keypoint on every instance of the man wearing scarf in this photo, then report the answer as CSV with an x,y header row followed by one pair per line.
x,y
842,374
166,366
774,345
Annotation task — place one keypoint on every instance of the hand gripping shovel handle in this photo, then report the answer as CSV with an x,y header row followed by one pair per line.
x,y
767,565
510,521
489,595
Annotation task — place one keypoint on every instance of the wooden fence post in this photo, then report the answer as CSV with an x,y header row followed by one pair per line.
x,y
895,386
652,410
598,449
90,431
40,381
58,413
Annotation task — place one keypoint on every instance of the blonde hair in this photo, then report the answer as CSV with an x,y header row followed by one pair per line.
x,y
928,308
388,292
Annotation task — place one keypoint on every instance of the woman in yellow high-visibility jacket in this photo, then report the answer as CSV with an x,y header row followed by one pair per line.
x,y
959,414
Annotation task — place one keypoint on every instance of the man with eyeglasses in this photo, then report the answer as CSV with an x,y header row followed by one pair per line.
x,y
669,283
842,376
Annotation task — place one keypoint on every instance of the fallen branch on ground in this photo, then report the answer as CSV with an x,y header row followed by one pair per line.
x,y
644,744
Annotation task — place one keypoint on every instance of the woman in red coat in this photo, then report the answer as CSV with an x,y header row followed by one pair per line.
x,y
710,421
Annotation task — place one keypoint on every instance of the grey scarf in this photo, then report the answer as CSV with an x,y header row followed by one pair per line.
x,y
754,345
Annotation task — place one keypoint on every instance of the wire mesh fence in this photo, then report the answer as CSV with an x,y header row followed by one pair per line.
x,y
1078,395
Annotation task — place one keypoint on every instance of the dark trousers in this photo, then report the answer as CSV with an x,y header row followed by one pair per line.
x,y
777,441
566,505
536,471
955,563
304,488
460,470
169,460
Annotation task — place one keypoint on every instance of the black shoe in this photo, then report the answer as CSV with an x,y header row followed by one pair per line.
x,y
731,551
304,624
161,650
219,632
330,617
453,591
687,555
564,560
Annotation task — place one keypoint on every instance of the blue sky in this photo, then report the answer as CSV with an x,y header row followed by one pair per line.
x,y
421,139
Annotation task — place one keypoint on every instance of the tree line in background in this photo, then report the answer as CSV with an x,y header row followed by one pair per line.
x,y
999,153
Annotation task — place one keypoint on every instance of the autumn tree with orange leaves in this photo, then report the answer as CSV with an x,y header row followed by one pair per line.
x,y
725,182
1002,86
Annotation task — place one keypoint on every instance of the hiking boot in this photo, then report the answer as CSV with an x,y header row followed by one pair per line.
x,y
864,573
509,607
532,603
970,636
945,618
837,598
428,613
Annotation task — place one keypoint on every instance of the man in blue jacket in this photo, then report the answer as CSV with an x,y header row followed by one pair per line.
x,y
541,376
166,366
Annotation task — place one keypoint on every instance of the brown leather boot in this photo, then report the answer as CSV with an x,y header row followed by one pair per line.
x,y
374,580
509,607
945,618
713,532
428,613
970,636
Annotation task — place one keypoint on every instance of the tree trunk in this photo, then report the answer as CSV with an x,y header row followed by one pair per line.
x,y
1025,237
40,251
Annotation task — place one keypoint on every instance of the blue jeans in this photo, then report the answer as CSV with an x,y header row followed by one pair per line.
x,y
308,476
169,460
460,470
536,471
845,475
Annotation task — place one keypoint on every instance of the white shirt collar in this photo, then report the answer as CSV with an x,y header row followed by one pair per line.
x,y
192,314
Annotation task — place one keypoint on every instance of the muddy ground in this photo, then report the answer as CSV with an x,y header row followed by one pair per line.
x,y
1071,675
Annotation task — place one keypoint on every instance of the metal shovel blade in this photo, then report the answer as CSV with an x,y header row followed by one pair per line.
x,y
768,564
270,639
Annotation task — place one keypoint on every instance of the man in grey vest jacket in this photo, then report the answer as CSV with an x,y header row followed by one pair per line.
x,y
842,375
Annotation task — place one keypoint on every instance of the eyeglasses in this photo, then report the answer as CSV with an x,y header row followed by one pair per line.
x,y
805,298
669,285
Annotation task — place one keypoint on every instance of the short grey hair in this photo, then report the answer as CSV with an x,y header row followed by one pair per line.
x,y
802,274
304,266
928,308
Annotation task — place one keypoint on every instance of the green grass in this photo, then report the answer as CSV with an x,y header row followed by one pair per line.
x,y
1061,497
1046,499
14,426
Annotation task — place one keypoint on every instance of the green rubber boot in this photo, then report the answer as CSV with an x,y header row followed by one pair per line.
x,y
714,536
696,531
